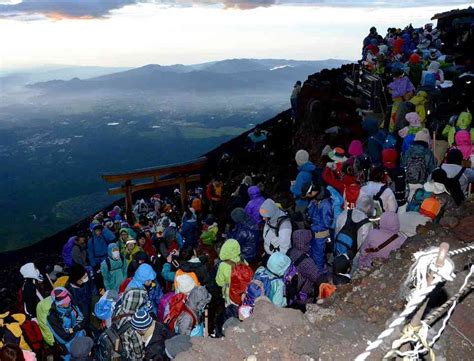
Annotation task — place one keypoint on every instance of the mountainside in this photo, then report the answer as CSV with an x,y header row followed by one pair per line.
x,y
234,74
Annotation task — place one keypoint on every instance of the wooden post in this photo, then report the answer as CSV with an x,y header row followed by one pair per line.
x,y
129,201
184,193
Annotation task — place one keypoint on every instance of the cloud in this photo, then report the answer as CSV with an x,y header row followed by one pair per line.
x,y
89,9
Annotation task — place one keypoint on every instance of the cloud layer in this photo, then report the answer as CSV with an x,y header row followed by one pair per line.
x,y
83,9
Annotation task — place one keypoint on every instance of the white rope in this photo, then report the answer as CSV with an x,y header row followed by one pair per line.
x,y
424,261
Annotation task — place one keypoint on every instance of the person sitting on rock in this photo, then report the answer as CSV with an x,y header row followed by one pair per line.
x,y
352,228
65,321
383,241
271,278
379,191
246,232
454,169
304,263
277,229
304,178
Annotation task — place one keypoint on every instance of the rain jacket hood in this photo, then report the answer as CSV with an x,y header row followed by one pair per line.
x,y
29,271
278,263
390,222
143,274
230,251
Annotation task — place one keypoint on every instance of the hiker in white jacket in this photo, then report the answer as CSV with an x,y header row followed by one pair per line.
x,y
277,230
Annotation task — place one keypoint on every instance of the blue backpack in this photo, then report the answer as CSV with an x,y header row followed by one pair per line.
x,y
67,251
346,239
418,198
266,279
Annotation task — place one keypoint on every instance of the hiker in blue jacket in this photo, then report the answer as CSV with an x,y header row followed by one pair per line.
x,y
302,183
320,212
375,140
97,245
246,232
145,279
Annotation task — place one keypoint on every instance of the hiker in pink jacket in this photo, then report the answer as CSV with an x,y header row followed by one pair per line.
x,y
381,242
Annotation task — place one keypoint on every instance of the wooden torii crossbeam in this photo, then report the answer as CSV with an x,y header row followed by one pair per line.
x,y
163,176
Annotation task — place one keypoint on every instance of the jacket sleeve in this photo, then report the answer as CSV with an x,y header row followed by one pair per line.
x,y
167,274
41,315
296,188
106,276
76,255
90,253
284,237
278,293
108,236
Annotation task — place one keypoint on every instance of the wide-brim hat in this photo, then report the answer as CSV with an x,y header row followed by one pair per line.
x,y
337,155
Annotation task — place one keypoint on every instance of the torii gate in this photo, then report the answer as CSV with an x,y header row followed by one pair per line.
x,y
163,176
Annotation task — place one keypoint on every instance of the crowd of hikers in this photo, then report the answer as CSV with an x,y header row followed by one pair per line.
x,y
139,289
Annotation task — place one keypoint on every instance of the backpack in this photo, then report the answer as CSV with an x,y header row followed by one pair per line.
x,y
417,199
362,165
407,142
240,277
109,343
67,251
398,185
164,306
294,294
454,187
416,172
431,207
351,194
265,278
32,335
346,239
177,306
280,221
378,203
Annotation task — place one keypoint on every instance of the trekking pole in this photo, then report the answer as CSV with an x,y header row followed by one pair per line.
x,y
49,279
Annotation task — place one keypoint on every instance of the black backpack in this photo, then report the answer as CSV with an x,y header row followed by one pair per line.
x,y
280,221
109,343
346,239
454,187
398,184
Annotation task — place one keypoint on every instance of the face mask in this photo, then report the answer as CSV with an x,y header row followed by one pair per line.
x,y
85,279
115,254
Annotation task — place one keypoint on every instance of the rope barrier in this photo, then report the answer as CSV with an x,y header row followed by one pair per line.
x,y
424,263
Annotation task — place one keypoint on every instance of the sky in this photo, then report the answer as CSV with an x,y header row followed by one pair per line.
x,y
130,33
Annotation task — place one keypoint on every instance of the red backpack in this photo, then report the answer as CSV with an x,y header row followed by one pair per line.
x,y
176,308
351,194
240,277
32,335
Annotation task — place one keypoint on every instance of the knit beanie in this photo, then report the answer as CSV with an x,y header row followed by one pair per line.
x,y
184,284
423,136
301,157
141,320
81,347
61,296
